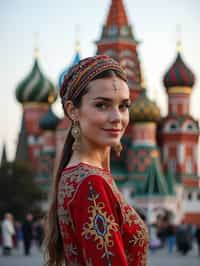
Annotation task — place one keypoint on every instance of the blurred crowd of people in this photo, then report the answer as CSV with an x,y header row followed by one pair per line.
x,y
163,233
13,232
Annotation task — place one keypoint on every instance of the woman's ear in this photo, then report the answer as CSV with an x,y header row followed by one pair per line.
x,y
71,110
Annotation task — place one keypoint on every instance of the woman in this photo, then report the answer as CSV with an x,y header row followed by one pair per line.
x,y
8,232
89,223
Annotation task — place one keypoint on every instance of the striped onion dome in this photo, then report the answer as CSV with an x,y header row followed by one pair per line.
x,y
144,110
36,87
49,121
75,61
179,74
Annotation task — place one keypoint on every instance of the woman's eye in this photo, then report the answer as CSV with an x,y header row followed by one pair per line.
x,y
124,106
102,106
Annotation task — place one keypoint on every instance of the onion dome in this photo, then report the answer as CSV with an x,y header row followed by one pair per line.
x,y
49,121
179,75
144,110
36,87
75,61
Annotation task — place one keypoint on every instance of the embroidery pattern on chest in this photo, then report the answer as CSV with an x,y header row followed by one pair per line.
x,y
100,225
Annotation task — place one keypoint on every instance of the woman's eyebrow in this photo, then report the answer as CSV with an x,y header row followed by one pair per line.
x,y
103,99
127,100
110,100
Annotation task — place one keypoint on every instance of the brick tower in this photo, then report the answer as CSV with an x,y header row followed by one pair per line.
x,y
35,93
117,40
180,134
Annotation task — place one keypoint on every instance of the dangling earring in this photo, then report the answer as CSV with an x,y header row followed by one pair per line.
x,y
76,134
118,149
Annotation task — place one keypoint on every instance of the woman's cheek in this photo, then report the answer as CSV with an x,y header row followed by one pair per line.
x,y
99,117
126,120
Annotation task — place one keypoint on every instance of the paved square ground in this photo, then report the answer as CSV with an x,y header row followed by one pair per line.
x,y
159,258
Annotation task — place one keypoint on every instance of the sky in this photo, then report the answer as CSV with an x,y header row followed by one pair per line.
x,y
155,25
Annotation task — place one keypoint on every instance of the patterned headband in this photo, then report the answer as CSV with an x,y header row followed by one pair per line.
x,y
79,76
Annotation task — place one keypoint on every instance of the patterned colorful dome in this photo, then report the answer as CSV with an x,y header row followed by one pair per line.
x,y
36,87
75,61
179,74
144,110
49,121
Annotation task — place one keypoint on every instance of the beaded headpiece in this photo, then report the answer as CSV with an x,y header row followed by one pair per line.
x,y
79,76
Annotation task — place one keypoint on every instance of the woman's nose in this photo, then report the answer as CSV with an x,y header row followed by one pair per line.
x,y
115,116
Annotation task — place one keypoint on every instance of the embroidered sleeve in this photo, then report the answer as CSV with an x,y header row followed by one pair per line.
x,y
97,223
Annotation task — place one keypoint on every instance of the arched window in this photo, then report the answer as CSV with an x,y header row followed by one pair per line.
x,y
171,126
112,31
189,196
112,54
124,31
32,140
132,193
189,165
126,53
172,165
190,127
198,196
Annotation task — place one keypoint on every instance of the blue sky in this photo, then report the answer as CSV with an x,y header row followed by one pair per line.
x,y
154,24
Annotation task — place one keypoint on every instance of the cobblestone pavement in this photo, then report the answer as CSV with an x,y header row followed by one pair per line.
x,y
159,258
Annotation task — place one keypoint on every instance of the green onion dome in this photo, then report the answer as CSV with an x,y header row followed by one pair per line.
x,y
49,121
144,110
36,87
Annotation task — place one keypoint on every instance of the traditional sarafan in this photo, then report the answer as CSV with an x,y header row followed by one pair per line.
x,y
107,230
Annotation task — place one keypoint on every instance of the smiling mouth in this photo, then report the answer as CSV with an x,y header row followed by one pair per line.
x,y
113,131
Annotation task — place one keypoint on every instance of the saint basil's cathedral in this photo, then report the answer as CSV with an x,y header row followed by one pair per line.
x,y
157,170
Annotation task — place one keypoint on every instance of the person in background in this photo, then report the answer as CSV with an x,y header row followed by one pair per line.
x,y
27,231
18,235
170,237
8,232
197,236
184,238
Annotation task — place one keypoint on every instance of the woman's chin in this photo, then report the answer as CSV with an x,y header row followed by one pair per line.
x,y
114,142
108,142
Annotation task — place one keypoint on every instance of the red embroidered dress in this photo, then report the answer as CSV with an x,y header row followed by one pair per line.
x,y
98,227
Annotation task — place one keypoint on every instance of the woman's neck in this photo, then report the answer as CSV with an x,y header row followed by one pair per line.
x,y
98,157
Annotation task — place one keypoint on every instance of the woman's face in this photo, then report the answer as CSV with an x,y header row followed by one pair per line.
x,y
104,115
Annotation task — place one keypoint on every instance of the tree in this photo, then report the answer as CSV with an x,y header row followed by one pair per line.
x,y
19,193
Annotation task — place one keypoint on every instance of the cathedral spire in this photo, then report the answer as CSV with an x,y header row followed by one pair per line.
x,y
117,26
117,14
117,40
36,45
178,41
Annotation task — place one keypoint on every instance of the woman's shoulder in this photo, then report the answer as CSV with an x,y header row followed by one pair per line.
x,y
77,178
81,171
74,176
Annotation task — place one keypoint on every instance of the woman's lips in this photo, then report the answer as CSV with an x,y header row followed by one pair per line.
x,y
113,131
